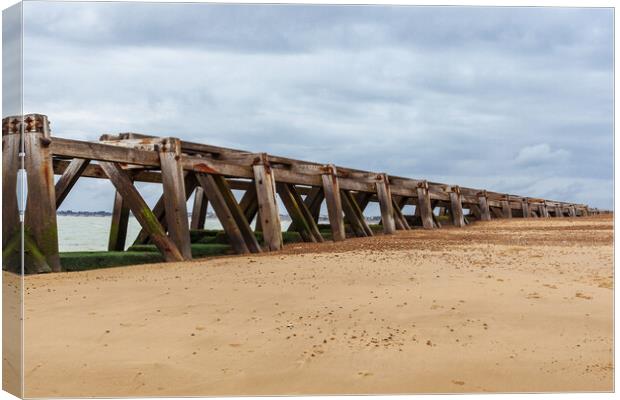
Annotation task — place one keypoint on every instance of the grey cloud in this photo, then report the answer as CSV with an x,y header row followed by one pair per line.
x,y
451,94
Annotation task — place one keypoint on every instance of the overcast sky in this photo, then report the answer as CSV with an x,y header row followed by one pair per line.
x,y
516,100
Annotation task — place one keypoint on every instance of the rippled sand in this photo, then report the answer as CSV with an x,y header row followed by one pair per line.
x,y
509,305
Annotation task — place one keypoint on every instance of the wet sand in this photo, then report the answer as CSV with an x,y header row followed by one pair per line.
x,y
504,306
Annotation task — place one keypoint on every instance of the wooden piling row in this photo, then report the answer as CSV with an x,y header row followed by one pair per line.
x,y
211,173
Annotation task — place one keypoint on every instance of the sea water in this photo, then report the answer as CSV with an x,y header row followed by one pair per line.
x,y
77,233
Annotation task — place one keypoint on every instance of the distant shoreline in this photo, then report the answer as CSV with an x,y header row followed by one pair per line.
x,y
71,213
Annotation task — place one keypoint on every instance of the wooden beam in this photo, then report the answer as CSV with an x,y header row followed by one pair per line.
x,y
69,178
483,204
362,199
40,214
307,214
525,208
299,213
224,214
350,215
160,211
249,203
102,152
229,213
423,207
399,219
572,211
199,211
331,190
238,214
313,201
456,207
11,259
10,208
269,216
506,210
119,224
385,204
175,201
351,200
141,211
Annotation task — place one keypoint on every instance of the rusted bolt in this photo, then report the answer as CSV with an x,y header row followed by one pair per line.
x,y
45,142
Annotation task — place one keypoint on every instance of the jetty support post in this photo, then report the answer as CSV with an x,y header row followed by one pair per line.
x,y
331,190
119,224
199,211
232,218
351,214
424,205
572,211
483,204
175,203
506,208
385,203
299,212
11,224
159,209
544,212
559,212
269,217
456,207
348,200
141,211
399,218
525,207
40,213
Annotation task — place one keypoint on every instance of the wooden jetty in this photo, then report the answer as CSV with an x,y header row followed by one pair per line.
x,y
211,172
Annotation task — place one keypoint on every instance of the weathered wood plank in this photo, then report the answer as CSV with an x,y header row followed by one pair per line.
x,y
175,201
238,214
483,204
385,204
307,214
358,212
249,203
294,211
160,211
141,211
11,235
102,152
544,210
423,206
331,190
10,208
456,207
69,178
525,208
350,215
224,214
313,202
40,213
362,199
119,224
399,218
269,217
199,210
506,209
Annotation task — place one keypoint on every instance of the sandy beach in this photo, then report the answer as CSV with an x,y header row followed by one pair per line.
x,y
504,306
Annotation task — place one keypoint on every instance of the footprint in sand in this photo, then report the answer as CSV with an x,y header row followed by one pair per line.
x,y
460,383
364,373
583,296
